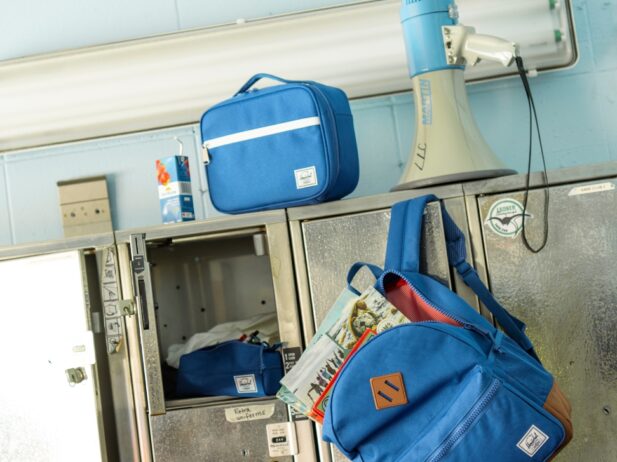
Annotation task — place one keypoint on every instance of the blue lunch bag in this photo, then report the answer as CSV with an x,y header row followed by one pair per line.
x,y
232,368
281,146
448,387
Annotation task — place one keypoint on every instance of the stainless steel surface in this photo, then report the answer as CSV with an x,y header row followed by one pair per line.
x,y
110,295
332,245
99,374
281,265
306,313
127,307
568,297
302,280
62,245
477,256
117,353
142,283
141,450
279,248
209,226
458,212
365,204
205,434
217,235
555,178
202,283
195,282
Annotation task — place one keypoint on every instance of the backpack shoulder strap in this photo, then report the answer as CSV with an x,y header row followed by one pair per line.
x,y
405,234
403,254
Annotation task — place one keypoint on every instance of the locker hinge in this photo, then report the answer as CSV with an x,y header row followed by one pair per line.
x,y
126,307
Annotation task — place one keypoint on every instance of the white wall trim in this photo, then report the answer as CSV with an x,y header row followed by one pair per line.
x,y
170,80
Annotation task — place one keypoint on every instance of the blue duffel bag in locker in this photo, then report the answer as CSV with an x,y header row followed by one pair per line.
x,y
281,146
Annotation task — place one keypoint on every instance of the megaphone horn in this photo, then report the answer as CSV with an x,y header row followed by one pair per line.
x,y
448,146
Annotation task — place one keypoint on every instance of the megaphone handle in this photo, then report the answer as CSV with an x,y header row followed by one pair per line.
x,y
480,46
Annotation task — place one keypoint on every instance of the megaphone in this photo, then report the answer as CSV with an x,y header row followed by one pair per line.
x,y
448,146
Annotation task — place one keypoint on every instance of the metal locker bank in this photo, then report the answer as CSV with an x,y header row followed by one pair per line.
x,y
60,398
89,321
185,279
566,293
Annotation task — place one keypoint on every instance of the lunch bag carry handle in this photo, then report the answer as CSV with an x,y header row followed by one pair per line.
x,y
257,77
403,254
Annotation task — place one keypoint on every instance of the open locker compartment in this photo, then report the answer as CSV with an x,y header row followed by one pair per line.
x,y
188,279
222,283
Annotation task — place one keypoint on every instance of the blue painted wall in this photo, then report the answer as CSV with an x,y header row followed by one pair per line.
x,y
129,165
31,27
577,110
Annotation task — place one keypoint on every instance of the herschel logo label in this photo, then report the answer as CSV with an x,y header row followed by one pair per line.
x,y
533,440
306,177
246,383
388,391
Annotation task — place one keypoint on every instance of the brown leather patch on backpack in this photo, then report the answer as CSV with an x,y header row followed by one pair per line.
x,y
388,391
558,405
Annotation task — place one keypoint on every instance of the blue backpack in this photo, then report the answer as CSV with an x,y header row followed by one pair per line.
x,y
448,386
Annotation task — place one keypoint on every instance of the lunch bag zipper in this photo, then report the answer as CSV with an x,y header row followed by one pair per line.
x,y
462,428
333,121
255,133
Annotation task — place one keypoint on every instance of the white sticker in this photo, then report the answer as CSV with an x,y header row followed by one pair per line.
x,y
533,440
246,383
248,413
282,439
505,217
174,188
306,177
592,188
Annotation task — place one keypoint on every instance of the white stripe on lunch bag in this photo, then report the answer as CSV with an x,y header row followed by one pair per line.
x,y
258,133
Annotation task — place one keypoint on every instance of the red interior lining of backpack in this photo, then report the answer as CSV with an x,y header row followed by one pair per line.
x,y
409,302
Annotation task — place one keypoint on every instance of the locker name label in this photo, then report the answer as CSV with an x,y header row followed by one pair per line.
x,y
592,188
282,440
248,413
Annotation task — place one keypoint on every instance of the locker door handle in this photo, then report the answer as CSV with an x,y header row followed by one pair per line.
x,y
76,375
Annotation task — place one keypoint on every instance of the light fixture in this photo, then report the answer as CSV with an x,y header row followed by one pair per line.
x,y
170,80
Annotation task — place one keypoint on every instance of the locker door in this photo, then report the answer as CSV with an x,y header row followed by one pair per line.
x,y
48,399
185,284
147,323
567,296
333,244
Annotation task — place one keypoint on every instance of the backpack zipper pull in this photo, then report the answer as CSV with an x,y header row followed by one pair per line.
x,y
205,154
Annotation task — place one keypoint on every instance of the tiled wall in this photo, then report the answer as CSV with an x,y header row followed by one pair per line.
x,y
577,110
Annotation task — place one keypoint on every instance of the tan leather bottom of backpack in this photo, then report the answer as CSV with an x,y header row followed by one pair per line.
x,y
558,405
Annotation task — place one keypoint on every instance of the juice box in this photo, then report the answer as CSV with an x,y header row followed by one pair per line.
x,y
175,197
